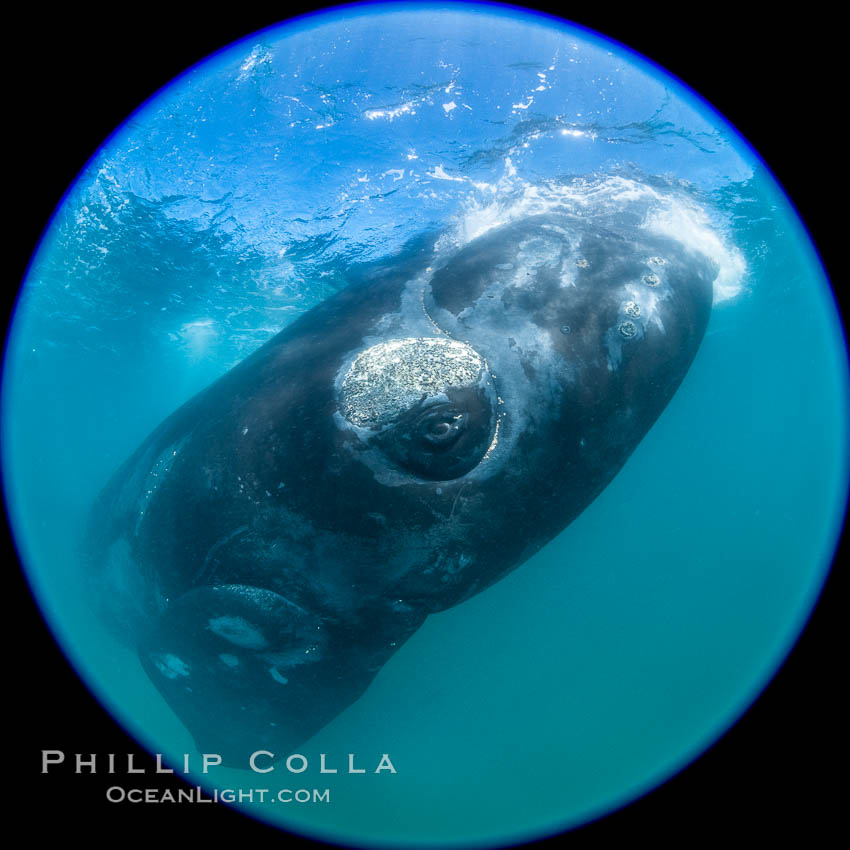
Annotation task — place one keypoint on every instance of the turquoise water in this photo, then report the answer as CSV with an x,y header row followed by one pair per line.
x,y
236,199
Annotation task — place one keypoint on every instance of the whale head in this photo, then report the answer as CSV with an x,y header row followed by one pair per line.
x,y
396,450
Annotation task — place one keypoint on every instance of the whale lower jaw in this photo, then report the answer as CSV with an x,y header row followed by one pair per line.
x,y
233,658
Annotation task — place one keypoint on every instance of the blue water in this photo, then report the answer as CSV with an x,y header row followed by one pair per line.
x,y
236,199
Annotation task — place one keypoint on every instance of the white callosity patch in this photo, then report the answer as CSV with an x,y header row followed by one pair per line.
x,y
412,320
228,659
170,665
539,253
390,377
639,309
238,631
626,331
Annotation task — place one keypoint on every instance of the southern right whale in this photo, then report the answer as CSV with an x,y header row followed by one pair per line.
x,y
394,451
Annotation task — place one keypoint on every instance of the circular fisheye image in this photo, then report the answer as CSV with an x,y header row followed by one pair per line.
x,y
423,425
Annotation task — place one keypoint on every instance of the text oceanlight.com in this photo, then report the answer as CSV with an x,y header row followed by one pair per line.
x,y
117,794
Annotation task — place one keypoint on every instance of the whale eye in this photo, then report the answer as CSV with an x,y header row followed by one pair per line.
x,y
427,403
441,429
440,440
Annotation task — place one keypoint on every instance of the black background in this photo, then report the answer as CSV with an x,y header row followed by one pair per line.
x,y
73,75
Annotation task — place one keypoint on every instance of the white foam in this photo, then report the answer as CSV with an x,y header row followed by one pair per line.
x,y
258,57
691,226
439,173
670,213
392,113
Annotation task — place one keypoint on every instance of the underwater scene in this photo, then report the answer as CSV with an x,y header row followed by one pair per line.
x,y
399,409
